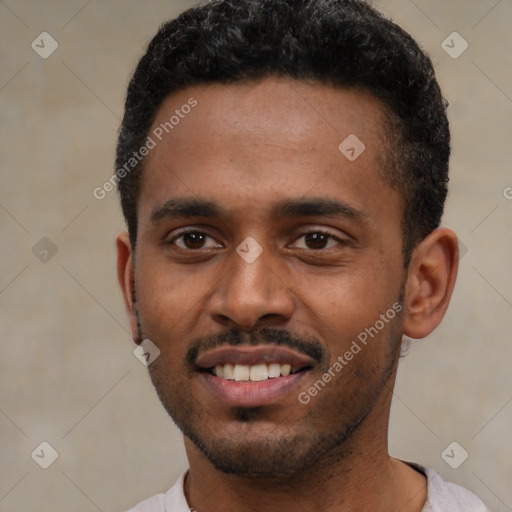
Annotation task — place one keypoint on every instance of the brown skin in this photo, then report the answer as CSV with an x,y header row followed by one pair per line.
x,y
247,147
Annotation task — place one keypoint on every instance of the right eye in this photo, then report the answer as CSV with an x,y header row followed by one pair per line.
x,y
194,240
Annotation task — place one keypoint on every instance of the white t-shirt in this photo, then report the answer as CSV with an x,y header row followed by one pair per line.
x,y
442,497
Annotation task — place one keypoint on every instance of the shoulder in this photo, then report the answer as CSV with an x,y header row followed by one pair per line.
x,y
172,501
447,497
154,504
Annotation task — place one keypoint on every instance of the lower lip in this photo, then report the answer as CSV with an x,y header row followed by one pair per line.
x,y
251,394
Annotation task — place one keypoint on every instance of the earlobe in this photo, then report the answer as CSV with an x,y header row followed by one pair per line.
x,y
430,282
126,278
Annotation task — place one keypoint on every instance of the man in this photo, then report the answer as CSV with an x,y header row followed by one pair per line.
x,y
282,167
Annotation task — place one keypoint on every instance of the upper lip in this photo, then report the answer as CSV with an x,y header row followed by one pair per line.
x,y
252,355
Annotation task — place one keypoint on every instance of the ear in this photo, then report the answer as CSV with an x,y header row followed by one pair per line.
x,y
126,278
430,281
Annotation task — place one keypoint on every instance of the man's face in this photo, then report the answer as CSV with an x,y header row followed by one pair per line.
x,y
261,160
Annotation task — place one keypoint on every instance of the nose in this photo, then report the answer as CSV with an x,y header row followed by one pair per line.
x,y
251,295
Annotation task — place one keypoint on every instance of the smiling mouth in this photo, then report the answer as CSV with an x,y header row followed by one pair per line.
x,y
252,376
254,373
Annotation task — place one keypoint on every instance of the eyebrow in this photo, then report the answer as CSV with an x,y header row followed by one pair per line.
x,y
316,207
185,209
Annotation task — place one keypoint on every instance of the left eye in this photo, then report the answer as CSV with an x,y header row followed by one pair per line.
x,y
316,240
194,240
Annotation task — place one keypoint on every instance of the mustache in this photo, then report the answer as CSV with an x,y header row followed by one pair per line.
x,y
266,336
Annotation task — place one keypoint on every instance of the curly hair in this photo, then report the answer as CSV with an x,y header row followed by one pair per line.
x,y
341,43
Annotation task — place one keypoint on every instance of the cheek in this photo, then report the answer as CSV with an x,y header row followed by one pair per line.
x,y
169,297
341,305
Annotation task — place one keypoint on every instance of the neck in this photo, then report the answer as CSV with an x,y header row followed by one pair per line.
x,y
357,475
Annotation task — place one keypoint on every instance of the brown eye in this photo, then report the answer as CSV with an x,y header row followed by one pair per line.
x,y
194,240
316,240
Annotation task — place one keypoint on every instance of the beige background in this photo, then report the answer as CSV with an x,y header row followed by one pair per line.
x,y
68,374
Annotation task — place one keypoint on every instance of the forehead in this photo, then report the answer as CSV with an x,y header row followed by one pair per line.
x,y
266,139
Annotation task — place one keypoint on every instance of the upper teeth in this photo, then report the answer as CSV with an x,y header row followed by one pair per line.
x,y
255,373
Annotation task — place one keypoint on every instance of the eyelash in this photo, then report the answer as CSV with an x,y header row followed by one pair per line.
x,y
329,236
302,235
184,233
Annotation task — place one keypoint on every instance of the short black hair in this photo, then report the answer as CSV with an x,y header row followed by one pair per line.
x,y
342,43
